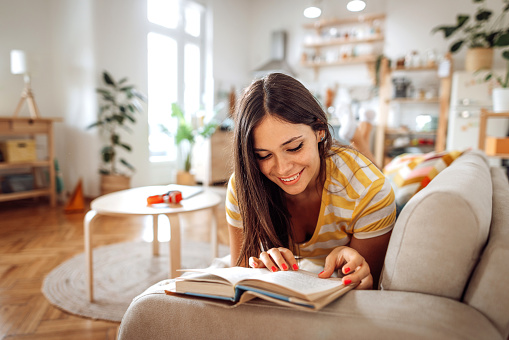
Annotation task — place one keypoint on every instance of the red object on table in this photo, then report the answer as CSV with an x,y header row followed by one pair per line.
x,y
173,196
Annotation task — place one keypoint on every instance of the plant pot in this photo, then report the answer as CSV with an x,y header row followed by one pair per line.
x,y
185,178
500,99
479,59
112,183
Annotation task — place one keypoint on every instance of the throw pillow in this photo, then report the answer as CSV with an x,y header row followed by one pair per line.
x,y
410,173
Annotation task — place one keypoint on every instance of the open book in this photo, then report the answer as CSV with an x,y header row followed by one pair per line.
x,y
299,289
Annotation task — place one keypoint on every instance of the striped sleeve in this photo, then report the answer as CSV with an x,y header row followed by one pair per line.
x,y
232,208
374,213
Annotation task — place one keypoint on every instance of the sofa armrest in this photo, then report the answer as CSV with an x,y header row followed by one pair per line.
x,y
358,314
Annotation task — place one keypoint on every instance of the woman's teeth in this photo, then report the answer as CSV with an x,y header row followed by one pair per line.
x,y
290,179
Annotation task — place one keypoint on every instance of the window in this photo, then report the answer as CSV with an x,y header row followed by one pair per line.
x,y
175,56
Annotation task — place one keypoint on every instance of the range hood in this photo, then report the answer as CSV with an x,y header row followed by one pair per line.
x,y
277,62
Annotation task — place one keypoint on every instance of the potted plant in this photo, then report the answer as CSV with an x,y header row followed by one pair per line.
x,y
119,103
186,134
478,33
500,94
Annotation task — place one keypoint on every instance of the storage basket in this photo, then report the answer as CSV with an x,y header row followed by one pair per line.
x,y
18,150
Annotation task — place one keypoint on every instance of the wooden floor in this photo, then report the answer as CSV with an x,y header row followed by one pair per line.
x,y
34,239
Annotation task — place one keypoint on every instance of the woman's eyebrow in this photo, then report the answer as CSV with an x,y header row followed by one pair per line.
x,y
285,143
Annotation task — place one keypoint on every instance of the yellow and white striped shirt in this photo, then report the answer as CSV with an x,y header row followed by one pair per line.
x,y
357,200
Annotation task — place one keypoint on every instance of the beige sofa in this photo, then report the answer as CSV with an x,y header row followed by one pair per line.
x,y
446,276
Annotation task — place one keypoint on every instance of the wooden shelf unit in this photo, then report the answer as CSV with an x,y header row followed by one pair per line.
x,y
483,123
330,42
15,127
386,99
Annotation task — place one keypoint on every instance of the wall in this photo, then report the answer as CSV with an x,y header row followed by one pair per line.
x,y
70,42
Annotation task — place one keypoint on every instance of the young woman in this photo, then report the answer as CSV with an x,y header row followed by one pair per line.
x,y
295,193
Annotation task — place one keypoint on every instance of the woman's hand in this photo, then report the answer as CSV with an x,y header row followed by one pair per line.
x,y
349,261
273,259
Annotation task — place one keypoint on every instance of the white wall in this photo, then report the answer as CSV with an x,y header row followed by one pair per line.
x,y
70,42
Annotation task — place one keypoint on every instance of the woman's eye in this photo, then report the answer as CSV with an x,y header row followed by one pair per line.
x,y
262,157
297,148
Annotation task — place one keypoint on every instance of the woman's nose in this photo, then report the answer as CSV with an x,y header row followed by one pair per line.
x,y
283,166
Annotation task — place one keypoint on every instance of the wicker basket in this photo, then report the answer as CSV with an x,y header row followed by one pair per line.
x,y
18,150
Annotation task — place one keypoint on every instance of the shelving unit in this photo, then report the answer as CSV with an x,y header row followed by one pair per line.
x,y
383,133
333,43
483,122
28,128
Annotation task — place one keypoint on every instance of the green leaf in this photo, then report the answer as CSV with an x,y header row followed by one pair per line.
x,y
107,153
483,15
121,81
502,40
108,79
184,132
131,118
177,112
456,46
126,88
488,77
126,146
505,54
127,164
115,139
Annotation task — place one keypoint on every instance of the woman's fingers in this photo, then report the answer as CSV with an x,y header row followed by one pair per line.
x,y
361,276
274,259
255,262
267,261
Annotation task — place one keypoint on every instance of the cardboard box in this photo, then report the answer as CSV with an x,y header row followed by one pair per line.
x,y
18,150
496,146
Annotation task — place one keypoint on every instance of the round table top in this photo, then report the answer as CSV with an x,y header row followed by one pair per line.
x,y
134,202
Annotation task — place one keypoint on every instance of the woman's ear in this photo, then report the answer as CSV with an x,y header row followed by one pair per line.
x,y
321,135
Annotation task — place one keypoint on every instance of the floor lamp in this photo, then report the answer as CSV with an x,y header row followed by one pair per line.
x,y
19,66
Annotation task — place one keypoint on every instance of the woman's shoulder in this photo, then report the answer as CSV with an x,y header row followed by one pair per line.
x,y
350,162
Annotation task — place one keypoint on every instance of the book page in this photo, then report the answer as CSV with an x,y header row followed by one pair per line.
x,y
232,275
303,284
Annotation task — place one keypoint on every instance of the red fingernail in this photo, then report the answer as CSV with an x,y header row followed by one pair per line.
x,y
285,267
254,264
347,281
295,267
273,268
321,272
347,270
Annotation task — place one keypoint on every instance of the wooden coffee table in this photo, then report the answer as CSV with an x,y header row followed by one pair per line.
x,y
133,202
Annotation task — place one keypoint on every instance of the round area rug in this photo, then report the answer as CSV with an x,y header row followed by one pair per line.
x,y
122,271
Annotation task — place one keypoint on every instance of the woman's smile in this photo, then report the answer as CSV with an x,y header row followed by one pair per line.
x,y
292,179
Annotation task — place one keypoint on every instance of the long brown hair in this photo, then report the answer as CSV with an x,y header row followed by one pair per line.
x,y
262,206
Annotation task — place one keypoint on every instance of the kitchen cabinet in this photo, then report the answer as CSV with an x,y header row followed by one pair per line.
x,y
493,146
27,129
337,42
395,98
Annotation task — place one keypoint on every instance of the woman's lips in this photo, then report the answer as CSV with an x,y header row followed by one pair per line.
x,y
292,179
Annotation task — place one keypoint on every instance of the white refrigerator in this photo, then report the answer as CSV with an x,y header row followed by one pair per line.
x,y
469,93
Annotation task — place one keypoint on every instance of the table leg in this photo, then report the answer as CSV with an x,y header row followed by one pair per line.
x,y
87,225
174,245
213,232
155,241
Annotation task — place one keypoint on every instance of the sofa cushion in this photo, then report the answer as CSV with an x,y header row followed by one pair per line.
x,y
437,238
410,173
488,289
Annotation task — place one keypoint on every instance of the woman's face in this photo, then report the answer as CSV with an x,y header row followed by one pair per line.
x,y
287,154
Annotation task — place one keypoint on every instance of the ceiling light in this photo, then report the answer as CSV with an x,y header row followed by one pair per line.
x,y
356,5
312,12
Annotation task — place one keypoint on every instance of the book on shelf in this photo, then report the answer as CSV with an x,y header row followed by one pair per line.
x,y
298,289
